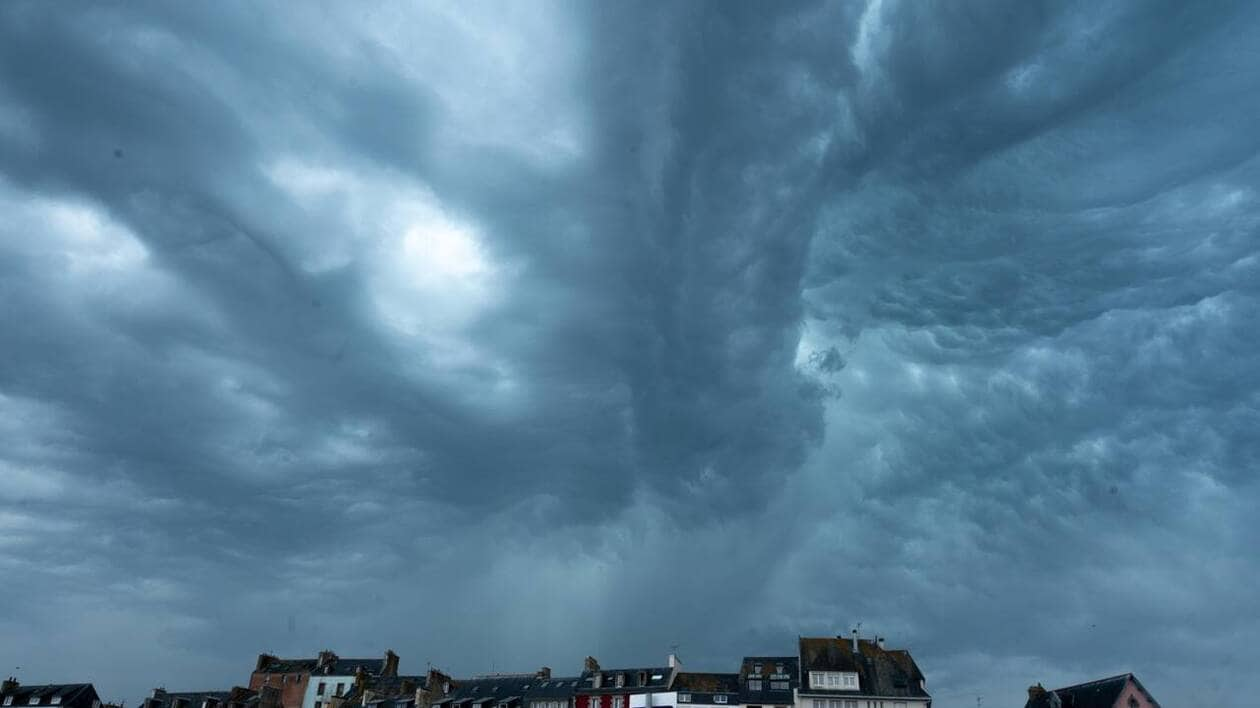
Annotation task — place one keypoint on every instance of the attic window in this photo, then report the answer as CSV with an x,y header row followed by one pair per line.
x,y
719,699
34,701
8,700
778,669
657,677
56,701
756,668
684,698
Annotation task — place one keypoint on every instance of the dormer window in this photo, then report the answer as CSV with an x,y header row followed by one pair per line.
x,y
621,680
34,701
757,668
719,699
834,680
8,700
56,701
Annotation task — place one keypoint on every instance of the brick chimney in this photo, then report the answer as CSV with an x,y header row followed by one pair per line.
x,y
590,664
391,664
264,660
325,661
1035,692
10,684
543,674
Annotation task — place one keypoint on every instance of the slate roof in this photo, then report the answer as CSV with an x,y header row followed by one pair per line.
x,y
705,687
770,666
387,687
489,690
559,688
655,679
1098,694
67,695
191,699
340,667
890,673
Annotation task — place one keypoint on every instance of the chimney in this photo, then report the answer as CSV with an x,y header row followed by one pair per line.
x,y
158,694
674,661
590,664
391,664
437,681
264,660
879,641
10,684
325,661
544,674
360,680
1035,693
855,640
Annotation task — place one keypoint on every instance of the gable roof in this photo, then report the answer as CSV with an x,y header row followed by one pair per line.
x,y
1101,693
66,695
881,672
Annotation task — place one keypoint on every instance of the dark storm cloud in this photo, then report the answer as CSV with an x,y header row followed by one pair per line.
x,y
501,340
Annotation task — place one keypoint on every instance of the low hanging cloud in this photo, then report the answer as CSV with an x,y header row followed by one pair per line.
x,y
503,336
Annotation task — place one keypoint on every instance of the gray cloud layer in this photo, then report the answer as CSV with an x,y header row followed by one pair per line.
x,y
502,335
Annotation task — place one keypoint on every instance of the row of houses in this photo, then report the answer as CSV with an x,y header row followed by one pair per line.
x,y
825,672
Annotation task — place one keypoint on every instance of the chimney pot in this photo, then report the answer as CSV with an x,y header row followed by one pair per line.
x,y
391,664
10,684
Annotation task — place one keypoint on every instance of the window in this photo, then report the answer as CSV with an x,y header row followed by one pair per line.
x,y
685,698
1133,702
619,702
621,680
8,700
34,701
719,699
756,668
850,680
820,703
56,701
851,704
778,685
319,691
754,684
899,704
318,704
778,669
341,687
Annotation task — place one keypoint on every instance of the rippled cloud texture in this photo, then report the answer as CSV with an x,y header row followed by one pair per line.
x,y
502,334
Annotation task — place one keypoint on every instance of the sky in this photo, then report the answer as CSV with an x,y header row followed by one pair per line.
x,y
501,334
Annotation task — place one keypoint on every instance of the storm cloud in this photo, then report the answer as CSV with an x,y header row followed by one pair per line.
x,y
504,334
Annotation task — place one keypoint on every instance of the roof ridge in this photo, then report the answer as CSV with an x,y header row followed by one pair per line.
x,y
1127,674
